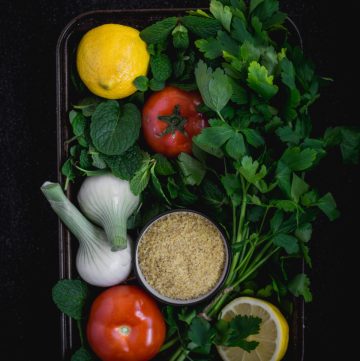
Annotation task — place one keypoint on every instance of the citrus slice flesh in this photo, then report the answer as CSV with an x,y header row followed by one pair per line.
x,y
273,336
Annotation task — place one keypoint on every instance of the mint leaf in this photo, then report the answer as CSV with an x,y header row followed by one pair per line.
x,y
298,188
161,67
202,27
289,243
85,159
141,178
260,81
125,165
70,296
163,165
82,354
327,204
68,170
222,13
192,170
300,286
141,83
214,86
156,85
88,106
115,129
157,185
158,32
180,37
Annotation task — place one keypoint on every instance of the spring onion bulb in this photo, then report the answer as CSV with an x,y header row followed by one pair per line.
x,y
96,263
108,202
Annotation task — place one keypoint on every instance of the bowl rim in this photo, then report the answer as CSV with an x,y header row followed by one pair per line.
x,y
168,300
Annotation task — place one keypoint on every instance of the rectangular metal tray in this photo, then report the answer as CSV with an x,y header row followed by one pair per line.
x,y
67,42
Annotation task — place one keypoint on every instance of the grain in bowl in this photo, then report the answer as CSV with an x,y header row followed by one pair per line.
x,y
182,257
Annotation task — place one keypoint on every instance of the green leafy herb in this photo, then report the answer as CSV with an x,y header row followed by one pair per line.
x,y
161,67
141,178
158,32
115,129
70,296
141,83
300,286
203,27
82,354
192,170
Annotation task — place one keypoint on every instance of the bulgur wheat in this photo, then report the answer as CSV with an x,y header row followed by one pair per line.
x,y
182,255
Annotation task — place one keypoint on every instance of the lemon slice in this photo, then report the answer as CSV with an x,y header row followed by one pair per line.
x,y
273,336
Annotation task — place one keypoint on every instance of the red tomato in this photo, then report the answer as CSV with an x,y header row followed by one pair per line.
x,y
170,120
125,324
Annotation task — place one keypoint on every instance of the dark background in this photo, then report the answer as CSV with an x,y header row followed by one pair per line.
x,y
29,323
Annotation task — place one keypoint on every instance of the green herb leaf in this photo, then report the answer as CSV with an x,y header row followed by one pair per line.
x,y
85,160
82,354
88,106
161,67
215,87
298,188
249,170
141,178
192,170
289,243
157,185
70,296
253,137
158,32
180,37
350,145
68,170
297,159
212,138
213,194
303,232
239,32
186,316
127,164
200,335
211,47
260,81
202,27
115,129
327,204
232,187
170,321
222,13
300,286
235,146
163,165
156,85
142,83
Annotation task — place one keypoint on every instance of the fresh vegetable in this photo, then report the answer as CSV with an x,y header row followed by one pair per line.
x,y
108,201
96,263
109,58
273,331
125,324
171,119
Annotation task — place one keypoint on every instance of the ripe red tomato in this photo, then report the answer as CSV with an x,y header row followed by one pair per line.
x,y
170,120
125,324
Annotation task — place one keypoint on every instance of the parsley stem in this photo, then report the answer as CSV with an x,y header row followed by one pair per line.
x,y
81,333
221,117
169,344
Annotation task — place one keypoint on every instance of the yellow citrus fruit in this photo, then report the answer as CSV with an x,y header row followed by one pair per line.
x,y
109,58
273,337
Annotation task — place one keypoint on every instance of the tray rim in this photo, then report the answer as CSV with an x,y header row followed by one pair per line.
x,y
64,237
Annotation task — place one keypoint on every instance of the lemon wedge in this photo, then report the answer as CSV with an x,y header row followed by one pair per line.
x,y
273,337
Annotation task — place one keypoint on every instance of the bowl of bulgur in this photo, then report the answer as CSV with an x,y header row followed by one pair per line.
x,y
182,257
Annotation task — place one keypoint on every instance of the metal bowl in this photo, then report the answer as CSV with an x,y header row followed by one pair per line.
x,y
178,302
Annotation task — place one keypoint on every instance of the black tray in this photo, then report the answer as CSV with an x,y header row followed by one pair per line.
x,y
67,42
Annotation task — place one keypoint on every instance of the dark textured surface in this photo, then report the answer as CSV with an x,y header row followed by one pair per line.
x,y
28,237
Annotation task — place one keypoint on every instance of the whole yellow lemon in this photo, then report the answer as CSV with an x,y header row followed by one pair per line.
x,y
109,58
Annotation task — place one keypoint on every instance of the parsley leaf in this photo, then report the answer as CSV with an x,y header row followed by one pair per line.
x,y
300,286
222,13
201,335
328,205
70,296
289,243
214,86
260,81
